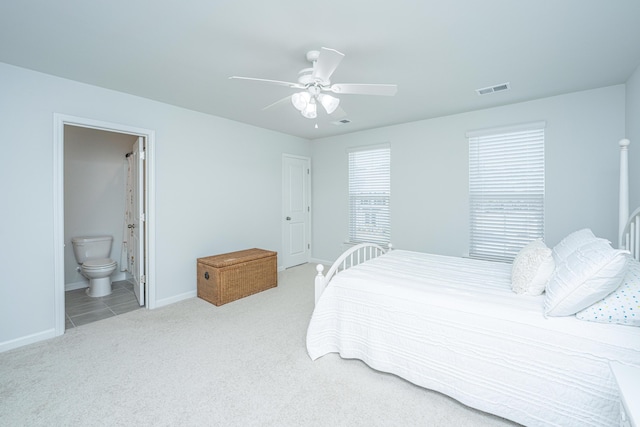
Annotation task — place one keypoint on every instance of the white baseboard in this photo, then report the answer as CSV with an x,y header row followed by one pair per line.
x,y
320,261
76,285
29,339
120,275
177,298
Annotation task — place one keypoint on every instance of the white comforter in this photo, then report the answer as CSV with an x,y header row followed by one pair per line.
x,y
454,325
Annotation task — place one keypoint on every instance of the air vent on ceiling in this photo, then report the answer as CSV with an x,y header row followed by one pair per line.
x,y
342,122
492,89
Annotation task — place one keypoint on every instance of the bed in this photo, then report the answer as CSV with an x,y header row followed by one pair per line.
x,y
456,326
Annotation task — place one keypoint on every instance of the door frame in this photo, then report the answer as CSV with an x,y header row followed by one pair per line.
x,y
309,217
59,121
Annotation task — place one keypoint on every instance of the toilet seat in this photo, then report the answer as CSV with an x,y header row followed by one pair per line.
x,y
98,264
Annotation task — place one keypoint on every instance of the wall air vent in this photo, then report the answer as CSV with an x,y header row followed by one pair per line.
x,y
492,89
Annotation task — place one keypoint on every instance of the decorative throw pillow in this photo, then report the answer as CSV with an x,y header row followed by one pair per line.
x,y
570,243
590,273
532,268
623,305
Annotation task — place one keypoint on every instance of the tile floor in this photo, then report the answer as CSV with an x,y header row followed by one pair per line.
x,y
81,309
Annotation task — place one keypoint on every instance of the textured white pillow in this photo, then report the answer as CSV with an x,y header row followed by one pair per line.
x,y
623,305
570,243
590,273
532,268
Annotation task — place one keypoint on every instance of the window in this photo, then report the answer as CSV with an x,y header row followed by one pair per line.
x,y
369,193
506,190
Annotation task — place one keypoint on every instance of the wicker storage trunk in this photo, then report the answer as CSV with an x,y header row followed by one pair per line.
x,y
228,277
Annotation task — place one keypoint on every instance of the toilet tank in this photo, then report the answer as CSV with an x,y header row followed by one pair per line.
x,y
85,248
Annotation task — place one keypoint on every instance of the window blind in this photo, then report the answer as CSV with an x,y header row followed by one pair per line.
x,y
506,191
369,195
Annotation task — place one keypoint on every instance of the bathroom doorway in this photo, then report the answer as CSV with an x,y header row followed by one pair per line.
x,y
92,167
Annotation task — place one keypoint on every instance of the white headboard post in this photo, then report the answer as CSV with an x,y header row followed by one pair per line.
x,y
624,189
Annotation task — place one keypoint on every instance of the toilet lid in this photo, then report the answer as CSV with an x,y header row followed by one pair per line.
x,y
99,263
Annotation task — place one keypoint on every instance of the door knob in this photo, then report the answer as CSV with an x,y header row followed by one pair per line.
x,y
288,218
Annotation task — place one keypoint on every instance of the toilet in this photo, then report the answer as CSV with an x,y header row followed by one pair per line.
x,y
92,253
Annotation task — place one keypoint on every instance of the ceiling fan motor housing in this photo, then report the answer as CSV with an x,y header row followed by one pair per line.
x,y
305,76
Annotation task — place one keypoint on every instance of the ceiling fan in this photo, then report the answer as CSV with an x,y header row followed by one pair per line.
x,y
314,83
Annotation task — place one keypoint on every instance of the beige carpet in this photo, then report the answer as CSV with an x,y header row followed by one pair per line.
x,y
194,364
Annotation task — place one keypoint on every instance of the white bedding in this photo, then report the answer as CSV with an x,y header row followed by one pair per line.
x,y
454,325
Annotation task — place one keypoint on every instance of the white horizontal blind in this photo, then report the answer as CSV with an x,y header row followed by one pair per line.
x,y
369,195
506,192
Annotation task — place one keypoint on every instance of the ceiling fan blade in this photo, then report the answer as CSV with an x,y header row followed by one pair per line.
x,y
278,102
277,82
364,89
326,64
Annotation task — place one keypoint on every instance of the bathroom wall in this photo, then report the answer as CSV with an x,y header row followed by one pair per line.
x,y
94,192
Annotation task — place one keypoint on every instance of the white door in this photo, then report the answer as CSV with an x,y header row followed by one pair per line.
x,y
137,228
296,210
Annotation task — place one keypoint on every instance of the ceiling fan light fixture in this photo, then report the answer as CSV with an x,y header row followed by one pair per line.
x,y
310,111
330,103
300,100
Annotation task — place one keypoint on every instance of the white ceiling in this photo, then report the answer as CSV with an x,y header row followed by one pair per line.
x,y
437,52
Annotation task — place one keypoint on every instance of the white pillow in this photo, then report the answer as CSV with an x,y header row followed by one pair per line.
x,y
623,305
590,273
532,268
570,243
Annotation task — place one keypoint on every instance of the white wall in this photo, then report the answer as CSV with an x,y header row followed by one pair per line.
x,y
218,181
218,189
94,193
632,125
429,172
